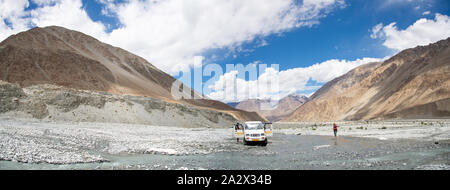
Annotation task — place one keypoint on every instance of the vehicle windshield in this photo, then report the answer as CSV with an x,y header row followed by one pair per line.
x,y
254,126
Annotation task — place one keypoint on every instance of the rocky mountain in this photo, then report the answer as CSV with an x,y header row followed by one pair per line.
x,y
56,103
62,57
415,83
272,111
233,104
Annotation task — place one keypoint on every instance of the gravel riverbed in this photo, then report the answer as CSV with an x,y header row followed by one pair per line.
x,y
35,144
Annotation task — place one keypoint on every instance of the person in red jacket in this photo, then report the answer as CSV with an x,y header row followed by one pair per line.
x,y
335,127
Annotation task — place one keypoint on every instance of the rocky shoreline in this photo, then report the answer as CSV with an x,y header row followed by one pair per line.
x,y
36,141
33,141
54,103
425,129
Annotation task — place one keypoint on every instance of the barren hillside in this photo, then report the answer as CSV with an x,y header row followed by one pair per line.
x,y
58,56
282,109
415,83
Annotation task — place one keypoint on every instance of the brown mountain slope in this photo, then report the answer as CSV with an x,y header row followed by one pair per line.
x,y
415,83
56,55
282,109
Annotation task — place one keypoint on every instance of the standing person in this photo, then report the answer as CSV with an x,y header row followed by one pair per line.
x,y
236,127
335,127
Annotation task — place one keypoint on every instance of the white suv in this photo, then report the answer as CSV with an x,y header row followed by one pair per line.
x,y
254,132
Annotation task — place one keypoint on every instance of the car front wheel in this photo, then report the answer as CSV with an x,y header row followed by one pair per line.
x,y
264,143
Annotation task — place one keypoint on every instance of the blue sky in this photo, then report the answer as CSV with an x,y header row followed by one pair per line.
x,y
311,41
343,34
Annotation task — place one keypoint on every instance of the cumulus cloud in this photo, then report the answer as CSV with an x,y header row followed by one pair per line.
x,y
422,32
69,14
231,88
11,17
376,31
66,13
12,8
171,34
174,34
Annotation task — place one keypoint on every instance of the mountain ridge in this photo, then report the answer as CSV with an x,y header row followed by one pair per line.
x,y
266,107
64,57
413,77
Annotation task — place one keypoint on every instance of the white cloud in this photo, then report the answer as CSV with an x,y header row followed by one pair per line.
x,y
426,13
289,81
66,13
45,2
11,17
12,8
69,14
171,34
422,32
417,3
376,31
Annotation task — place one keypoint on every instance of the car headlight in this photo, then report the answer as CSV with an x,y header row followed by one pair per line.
x,y
247,135
262,134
